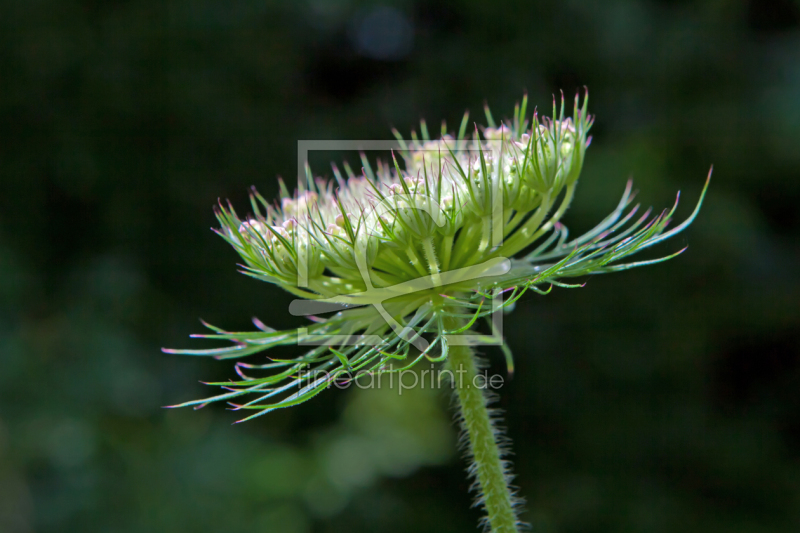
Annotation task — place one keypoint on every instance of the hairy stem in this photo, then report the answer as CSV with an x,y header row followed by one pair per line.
x,y
433,264
487,465
447,244
414,258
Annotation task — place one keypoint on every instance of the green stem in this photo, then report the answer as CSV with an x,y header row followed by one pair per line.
x,y
486,229
525,231
513,222
412,256
463,244
488,464
430,255
447,244
396,262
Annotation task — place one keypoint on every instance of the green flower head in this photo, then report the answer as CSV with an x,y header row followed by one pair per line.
x,y
394,253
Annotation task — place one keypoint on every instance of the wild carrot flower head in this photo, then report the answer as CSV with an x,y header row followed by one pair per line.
x,y
391,251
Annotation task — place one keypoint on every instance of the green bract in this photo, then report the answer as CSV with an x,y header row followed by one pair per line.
x,y
395,252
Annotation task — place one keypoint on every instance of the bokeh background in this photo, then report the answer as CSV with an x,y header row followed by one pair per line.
x,y
662,399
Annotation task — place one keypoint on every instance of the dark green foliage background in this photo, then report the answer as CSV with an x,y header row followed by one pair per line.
x,y
663,399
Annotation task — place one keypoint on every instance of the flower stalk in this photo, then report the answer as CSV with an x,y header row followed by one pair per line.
x,y
483,449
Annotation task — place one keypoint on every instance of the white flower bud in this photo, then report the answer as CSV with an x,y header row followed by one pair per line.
x,y
288,205
280,231
496,134
250,230
396,188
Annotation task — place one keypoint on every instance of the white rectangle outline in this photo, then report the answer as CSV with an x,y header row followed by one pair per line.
x,y
362,145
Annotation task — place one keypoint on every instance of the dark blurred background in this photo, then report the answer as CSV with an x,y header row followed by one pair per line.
x,y
661,399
